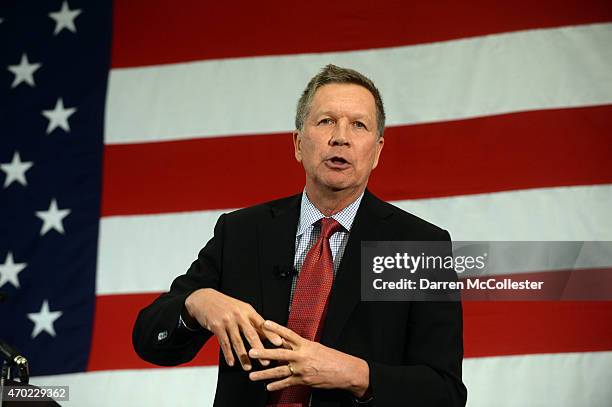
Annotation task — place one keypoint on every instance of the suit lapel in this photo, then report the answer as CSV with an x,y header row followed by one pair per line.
x,y
276,253
346,293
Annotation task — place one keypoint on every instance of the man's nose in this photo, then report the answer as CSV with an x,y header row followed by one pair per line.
x,y
339,136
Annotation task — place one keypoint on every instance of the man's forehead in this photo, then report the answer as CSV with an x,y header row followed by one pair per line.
x,y
343,96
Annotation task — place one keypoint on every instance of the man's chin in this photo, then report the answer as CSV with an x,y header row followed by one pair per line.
x,y
339,186
335,183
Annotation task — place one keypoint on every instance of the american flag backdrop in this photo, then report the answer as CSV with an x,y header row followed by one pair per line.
x,y
128,127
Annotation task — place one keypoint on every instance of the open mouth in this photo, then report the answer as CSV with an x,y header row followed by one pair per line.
x,y
337,162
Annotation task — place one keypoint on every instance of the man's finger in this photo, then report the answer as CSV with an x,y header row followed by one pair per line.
x,y
238,346
252,337
283,384
224,343
282,331
258,321
287,345
278,372
273,354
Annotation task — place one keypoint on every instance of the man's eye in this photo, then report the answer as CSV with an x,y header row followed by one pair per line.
x,y
326,121
360,125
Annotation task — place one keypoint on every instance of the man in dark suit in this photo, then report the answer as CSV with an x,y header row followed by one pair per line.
x,y
287,273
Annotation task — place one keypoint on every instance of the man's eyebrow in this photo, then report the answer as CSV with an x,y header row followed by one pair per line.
x,y
358,115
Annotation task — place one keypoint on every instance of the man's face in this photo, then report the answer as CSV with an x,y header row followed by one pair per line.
x,y
339,145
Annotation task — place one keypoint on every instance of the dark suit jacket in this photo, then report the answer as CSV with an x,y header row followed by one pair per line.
x,y
414,349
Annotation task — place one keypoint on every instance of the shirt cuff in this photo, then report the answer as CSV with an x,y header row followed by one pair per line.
x,y
365,400
182,324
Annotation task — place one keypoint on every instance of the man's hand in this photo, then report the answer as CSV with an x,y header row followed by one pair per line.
x,y
227,318
310,363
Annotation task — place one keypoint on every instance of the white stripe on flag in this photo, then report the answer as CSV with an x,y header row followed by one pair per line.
x,y
560,380
140,254
186,386
520,71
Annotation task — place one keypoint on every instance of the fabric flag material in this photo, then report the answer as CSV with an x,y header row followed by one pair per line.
x,y
116,159
55,65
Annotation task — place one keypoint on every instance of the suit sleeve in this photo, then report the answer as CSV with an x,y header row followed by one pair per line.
x,y
430,374
156,336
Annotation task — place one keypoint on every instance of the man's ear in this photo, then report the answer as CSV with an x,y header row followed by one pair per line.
x,y
297,145
380,143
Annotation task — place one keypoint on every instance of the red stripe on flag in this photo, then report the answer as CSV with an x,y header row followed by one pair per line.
x,y
195,30
490,329
111,346
594,284
545,148
515,328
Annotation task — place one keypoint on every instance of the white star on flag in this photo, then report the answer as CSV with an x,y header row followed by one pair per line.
x,y
9,271
44,319
24,72
15,170
52,218
64,18
58,116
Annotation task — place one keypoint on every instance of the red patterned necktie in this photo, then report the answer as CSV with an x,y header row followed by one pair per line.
x,y
309,305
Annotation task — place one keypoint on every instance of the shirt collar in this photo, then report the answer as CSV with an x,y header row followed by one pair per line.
x,y
309,214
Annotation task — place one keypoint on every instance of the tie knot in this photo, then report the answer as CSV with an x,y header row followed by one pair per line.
x,y
329,226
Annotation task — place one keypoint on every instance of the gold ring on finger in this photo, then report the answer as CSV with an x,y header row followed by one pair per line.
x,y
290,369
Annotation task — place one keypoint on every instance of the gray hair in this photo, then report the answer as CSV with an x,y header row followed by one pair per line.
x,y
335,74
